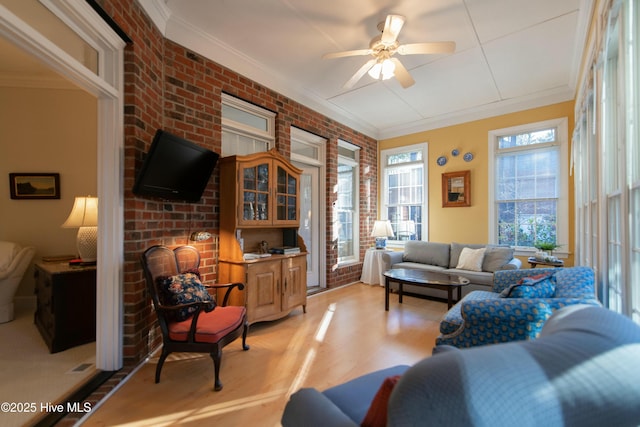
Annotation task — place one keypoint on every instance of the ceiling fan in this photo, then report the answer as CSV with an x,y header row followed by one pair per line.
x,y
383,47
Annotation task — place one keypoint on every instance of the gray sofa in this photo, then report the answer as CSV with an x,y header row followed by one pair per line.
x,y
582,371
444,257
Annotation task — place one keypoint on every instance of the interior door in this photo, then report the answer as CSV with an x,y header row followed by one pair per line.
x,y
309,220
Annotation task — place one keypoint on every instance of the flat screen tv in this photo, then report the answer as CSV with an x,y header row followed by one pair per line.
x,y
175,169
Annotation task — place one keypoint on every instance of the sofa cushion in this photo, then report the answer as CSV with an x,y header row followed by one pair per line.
x,y
475,277
496,257
426,253
377,413
471,259
420,266
456,248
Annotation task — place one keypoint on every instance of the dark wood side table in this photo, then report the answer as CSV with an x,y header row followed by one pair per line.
x,y
533,262
66,304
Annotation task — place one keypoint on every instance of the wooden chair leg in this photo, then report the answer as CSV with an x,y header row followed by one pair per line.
x,y
217,360
245,347
163,356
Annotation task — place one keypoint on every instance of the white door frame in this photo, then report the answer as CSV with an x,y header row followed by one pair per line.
x,y
321,214
107,87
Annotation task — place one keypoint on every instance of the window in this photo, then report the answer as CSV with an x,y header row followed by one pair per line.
x,y
246,128
346,225
610,157
404,197
529,185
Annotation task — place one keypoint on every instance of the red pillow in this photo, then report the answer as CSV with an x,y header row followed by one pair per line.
x,y
377,413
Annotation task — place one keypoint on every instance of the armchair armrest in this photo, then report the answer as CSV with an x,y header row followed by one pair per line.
x,y
310,408
390,258
521,317
229,287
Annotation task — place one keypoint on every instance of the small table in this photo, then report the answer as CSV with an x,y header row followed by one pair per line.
x,y
373,267
533,262
429,279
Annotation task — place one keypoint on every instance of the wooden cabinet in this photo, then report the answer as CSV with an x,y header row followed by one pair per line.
x,y
66,305
265,190
274,286
259,202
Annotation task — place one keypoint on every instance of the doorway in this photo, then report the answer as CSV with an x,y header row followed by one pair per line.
x,y
105,82
307,153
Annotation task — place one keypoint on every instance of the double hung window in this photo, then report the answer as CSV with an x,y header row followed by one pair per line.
x,y
404,192
346,224
529,184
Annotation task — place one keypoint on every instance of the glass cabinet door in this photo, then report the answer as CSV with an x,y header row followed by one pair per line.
x,y
286,196
255,193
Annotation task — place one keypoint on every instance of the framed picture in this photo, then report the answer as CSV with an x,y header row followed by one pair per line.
x,y
456,189
34,185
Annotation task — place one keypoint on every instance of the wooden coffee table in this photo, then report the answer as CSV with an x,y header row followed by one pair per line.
x,y
428,279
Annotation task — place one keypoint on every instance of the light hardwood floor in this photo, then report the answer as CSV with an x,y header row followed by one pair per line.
x,y
345,333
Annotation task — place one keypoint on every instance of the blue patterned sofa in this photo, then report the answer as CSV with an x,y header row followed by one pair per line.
x,y
483,317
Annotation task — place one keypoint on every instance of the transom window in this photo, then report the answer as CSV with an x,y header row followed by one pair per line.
x,y
246,128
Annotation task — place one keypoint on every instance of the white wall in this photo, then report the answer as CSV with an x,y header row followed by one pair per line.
x,y
45,130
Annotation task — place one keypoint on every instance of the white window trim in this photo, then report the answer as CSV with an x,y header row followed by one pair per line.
x,y
384,203
562,227
356,229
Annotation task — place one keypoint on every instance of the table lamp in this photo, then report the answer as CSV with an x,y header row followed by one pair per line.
x,y
381,230
84,216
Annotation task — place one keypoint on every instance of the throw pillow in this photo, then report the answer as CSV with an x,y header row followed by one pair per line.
x,y
471,259
537,286
377,414
184,289
495,257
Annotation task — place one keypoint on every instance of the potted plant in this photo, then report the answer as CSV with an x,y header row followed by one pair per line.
x,y
545,250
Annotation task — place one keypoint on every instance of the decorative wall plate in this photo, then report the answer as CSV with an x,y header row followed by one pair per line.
x,y
467,157
455,152
442,160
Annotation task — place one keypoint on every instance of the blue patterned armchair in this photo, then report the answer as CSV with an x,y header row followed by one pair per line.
x,y
483,317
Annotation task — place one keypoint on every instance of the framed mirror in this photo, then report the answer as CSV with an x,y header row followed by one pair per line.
x,y
456,189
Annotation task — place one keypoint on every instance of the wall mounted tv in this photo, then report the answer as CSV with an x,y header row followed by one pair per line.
x,y
175,169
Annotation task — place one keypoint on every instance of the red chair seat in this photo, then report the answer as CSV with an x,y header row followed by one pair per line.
x,y
211,326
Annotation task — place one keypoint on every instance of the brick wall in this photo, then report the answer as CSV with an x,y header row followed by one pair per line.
x,y
170,87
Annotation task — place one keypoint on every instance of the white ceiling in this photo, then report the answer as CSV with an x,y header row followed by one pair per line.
x,y
510,54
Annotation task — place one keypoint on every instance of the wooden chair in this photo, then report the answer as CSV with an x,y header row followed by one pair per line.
x,y
203,332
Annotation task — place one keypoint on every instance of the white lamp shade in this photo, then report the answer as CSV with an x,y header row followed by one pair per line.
x,y
83,214
382,228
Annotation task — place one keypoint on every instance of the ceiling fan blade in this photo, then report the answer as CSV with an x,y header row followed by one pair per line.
x,y
426,48
358,52
358,75
392,26
401,73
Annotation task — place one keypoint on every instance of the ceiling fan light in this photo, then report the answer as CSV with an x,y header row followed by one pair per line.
x,y
375,71
388,68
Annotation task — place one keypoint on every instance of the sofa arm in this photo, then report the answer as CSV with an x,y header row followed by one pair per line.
x,y
391,258
514,264
310,408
